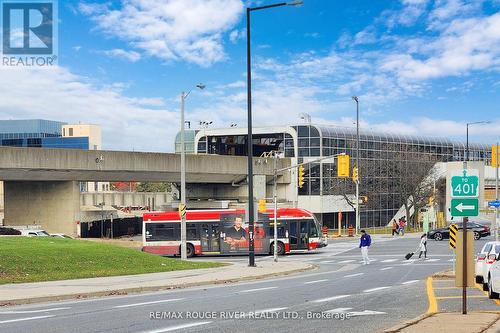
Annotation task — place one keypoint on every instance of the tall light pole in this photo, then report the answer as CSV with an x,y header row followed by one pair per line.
x,y
356,99
464,224
251,248
182,206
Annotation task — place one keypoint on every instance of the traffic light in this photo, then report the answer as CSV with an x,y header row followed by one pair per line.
x,y
343,166
494,156
355,176
431,201
364,199
300,182
262,205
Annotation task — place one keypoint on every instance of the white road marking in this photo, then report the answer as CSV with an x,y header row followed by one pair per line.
x,y
338,310
432,260
389,260
147,303
345,261
451,260
410,282
24,319
32,311
375,289
257,289
353,275
316,281
365,313
178,327
269,310
327,262
330,298
386,268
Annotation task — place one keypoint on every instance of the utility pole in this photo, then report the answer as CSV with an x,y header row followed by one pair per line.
x,y
497,217
275,199
183,180
356,99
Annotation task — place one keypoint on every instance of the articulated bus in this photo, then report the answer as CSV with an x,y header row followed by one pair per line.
x,y
226,231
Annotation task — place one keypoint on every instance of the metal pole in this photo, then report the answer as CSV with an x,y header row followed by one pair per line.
x,y
464,232
251,252
275,194
496,197
358,224
183,181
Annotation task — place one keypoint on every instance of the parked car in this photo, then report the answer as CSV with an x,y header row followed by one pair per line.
x,y
484,259
479,231
34,233
494,279
57,235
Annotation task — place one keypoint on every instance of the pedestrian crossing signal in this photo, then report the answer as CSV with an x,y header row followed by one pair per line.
x,y
300,182
494,156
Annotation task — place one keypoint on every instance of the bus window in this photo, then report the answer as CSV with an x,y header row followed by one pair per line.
x,y
191,231
161,232
313,230
281,232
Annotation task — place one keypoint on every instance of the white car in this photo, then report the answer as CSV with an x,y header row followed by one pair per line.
x,y
57,235
34,233
484,260
494,279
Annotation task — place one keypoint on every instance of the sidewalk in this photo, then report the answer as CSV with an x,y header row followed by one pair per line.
x,y
23,293
477,322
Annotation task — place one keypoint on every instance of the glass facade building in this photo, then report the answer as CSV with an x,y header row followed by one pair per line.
x,y
38,133
378,153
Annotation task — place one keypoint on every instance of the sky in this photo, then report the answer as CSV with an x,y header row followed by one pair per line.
x,y
419,67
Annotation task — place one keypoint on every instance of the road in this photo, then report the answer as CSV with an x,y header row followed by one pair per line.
x,y
341,295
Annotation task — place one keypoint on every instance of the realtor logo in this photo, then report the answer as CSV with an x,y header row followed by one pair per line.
x,y
29,32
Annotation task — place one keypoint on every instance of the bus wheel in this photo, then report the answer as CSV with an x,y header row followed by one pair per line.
x,y
281,248
189,249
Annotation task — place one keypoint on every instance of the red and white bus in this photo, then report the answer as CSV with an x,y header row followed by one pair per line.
x,y
225,232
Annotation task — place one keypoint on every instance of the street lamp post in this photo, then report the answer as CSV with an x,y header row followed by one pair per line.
x,y
464,224
356,99
184,96
251,249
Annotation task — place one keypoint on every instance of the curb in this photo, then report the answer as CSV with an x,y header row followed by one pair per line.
x,y
138,290
411,322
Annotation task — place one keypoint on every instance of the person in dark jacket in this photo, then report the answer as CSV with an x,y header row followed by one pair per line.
x,y
364,243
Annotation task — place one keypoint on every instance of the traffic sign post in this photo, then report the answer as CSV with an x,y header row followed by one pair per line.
x,y
465,203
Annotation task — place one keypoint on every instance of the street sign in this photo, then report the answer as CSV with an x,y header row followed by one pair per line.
x,y
464,207
494,203
465,186
453,236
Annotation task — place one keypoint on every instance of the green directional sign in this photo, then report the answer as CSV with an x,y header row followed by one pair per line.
x,y
464,207
465,186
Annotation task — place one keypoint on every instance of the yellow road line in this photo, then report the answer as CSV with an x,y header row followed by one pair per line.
x,y
480,287
433,306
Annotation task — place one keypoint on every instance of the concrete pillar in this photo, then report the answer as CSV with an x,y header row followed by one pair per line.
x,y
259,187
53,205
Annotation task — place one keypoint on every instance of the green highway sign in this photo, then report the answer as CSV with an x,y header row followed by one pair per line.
x,y
465,186
464,207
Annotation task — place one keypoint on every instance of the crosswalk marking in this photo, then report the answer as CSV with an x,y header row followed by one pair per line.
x,y
386,268
389,260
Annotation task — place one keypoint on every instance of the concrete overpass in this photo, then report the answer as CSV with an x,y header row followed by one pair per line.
x,y
42,185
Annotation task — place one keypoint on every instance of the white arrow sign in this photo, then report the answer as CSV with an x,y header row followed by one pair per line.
x,y
365,313
461,207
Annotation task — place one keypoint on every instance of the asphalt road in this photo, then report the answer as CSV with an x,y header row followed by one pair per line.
x,y
341,296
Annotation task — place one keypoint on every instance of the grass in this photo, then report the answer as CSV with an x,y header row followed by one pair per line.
x,y
35,259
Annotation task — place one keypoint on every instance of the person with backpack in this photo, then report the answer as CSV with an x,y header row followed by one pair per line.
x,y
364,243
394,228
423,246
402,225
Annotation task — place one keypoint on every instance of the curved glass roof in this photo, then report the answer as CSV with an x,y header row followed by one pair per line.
x,y
350,133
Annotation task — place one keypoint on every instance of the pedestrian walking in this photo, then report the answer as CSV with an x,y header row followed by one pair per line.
x,y
364,243
423,246
402,225
395,227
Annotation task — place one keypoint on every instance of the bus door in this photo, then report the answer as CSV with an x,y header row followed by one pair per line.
x,y
210,238
298,231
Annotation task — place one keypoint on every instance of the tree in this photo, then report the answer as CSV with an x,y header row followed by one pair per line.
x,y
413,177
153,187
